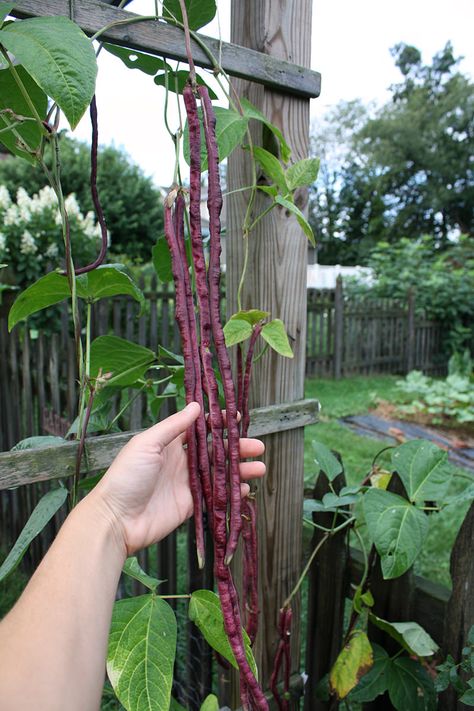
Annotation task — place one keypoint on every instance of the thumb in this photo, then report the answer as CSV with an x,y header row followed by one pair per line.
x,y
165,432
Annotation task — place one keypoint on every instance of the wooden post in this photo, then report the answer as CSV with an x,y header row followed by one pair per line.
x,y
328,581
411,343
275,282
459,616
338,327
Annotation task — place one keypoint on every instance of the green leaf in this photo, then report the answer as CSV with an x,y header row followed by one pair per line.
x,y
409,686
53,288
230,129
326,460
206,613
161,258
132,59
331,500
106,281
5,9
272,168
175,706
467,698
397,529
177,81
274,334
59,57
165,354
410,635
37,442
353,661
199,12
42,513
302,221
12,98
48,290
210,703
142,648
251,111
126,361
421,466
303,173
133,569
253,316
374,682
236,331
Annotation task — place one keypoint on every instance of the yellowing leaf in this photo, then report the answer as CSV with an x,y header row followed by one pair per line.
x,y
354,660
275,335
236,330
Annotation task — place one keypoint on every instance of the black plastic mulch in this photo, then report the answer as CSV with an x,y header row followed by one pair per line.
x,y
376,427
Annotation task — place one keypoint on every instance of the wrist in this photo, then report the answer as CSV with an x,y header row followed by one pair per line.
x,y
104,522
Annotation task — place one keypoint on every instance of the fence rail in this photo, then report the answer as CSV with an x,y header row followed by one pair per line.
x,y
38,374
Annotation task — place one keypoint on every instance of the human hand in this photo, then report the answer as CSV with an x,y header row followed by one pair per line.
x,y
145,492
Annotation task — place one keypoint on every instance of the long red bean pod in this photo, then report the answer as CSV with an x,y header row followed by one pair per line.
x,y
282,657
204,470
182,318
214,204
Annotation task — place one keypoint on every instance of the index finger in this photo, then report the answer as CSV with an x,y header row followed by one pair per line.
x,y
163,433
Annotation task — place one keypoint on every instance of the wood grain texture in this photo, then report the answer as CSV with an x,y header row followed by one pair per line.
x,y
32,465
275,282
282,73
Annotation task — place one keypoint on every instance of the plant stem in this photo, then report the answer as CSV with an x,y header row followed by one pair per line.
x,y
24,92
365,556
125,407
117,23
305,570
175,597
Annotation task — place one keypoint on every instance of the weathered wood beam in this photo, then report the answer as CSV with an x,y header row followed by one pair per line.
x,y
165,40
31,465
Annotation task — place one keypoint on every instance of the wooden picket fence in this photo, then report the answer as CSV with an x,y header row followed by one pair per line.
x,y
349,336
38,374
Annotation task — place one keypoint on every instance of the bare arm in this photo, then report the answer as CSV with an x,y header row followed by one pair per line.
x,y
53,643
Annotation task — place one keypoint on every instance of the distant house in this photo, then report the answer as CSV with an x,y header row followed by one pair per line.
x,y
323,276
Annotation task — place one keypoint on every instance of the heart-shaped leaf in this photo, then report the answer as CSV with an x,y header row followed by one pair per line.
x,y
410,686
106,281
374,682
251,111
410,635
12,98
59,57
199,12
42,513
272,168
142,648
236,330
353,661
253,316
134,570
274,334
396,527
161,258
132,59
303,173
126,361
326,460
421,465
230,129
302,221
206,613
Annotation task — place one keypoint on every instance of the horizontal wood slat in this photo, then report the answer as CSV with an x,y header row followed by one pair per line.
x,y
165,40
33,465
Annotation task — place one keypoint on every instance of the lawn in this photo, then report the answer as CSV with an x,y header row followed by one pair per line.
x,y
357,395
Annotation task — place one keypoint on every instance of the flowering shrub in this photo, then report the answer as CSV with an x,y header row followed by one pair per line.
x,y
31,238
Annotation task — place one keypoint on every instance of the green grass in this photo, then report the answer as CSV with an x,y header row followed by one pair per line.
x,y
351,396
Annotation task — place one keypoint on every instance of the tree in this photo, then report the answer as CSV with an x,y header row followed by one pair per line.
x,y
402,171
421,145
132,204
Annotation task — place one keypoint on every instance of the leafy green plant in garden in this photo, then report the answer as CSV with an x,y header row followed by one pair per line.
x,y
395,528
445,401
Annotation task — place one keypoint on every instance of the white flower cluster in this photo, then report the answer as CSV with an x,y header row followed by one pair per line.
x,y
28,243
3,243
5,199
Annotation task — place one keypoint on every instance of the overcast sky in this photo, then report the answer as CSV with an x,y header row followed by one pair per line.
x,y
350,47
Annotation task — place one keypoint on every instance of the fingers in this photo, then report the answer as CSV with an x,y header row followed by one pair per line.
x,y
251,447
252,470
165,432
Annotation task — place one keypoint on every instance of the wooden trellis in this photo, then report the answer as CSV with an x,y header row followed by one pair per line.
x,y
270,53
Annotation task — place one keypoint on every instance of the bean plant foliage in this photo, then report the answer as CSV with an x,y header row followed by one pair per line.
x,y
390,528
48,66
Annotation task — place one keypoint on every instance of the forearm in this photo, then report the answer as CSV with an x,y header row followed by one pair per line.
x,y
53,643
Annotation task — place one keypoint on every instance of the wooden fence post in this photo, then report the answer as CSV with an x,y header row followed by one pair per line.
x,y
338,327
276,282
459,616
328,579
411,336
